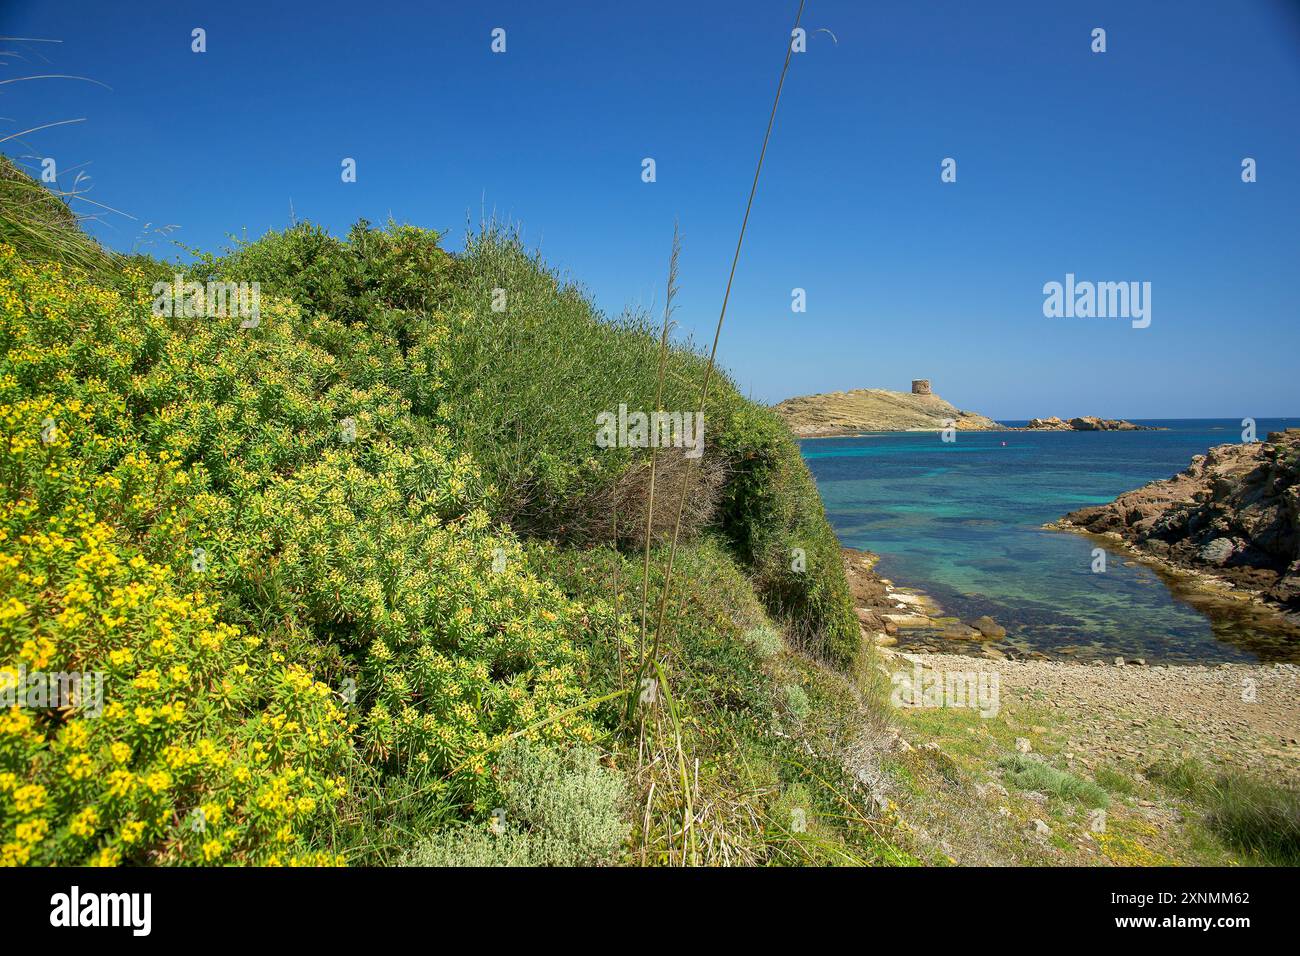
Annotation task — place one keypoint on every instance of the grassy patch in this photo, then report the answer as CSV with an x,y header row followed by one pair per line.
x,y
1245,813
1030,773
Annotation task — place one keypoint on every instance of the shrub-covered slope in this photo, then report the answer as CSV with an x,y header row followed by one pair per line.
x,y
291,549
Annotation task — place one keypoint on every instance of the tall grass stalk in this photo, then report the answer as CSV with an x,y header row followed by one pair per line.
x,y
717,332
658,407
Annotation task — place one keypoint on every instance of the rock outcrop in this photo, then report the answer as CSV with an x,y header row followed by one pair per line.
x,y
1088,423
875,410
1235,514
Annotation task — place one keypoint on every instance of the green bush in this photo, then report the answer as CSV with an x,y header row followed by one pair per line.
x,y
211,746
1031,773
796,701
556,809
212,455
357,280
774,517
518,389
298,531
765,640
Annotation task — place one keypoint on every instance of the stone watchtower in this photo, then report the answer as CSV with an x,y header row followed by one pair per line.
x,y
921,386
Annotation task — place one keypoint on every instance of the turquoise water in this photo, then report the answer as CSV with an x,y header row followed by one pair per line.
x,y
962,522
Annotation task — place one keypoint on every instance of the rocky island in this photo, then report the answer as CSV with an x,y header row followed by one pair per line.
x,y
1088,423
1234,514
877,410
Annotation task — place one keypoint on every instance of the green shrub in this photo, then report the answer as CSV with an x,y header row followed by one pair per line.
x,y
352,627
1030,773
796,700
211,747
179,439
775,519
765,640
561,363
556,809
360,280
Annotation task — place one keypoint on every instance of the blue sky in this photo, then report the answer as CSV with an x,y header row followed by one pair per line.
x,y
1122,166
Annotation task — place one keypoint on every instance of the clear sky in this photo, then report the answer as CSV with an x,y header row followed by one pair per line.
x,y
1115,166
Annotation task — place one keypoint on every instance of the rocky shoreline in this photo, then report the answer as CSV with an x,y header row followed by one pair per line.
x,y
885,609
1238,714
1230,521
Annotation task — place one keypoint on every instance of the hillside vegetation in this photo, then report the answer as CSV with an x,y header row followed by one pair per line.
x,y
363,589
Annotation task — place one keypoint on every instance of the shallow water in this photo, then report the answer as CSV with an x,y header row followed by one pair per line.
x,y
962,522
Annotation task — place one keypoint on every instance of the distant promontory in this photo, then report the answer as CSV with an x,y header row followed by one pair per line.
x,y
877,410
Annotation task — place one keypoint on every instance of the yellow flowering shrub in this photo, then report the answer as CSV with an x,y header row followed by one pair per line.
x,y
278,568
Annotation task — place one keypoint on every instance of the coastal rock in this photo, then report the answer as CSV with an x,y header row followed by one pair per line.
x,y
1088,423
1234,513
1218,551
989,628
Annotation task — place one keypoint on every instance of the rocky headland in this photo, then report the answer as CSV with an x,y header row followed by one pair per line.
x,y
876,410
1233,515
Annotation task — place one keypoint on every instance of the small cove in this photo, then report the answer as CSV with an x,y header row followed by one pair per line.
x,y
963,521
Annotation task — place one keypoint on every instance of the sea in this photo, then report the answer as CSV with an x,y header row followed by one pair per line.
x,y
962,521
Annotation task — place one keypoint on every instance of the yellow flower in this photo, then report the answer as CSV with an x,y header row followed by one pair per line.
x,y
120,783
78,768
84,823
14,854
131,831
109,856
32,831
29,798
75,735
14,722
